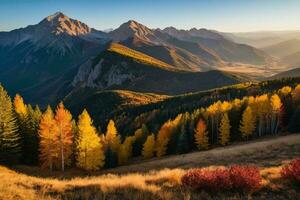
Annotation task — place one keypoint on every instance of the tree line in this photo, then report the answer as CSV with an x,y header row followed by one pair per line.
x,y
55,140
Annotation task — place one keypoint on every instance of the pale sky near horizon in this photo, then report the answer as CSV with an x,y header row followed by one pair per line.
x,y
221,15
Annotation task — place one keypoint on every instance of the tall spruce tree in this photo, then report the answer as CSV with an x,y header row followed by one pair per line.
x,y
10,147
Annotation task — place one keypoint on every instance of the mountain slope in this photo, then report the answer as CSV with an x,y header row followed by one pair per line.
x,y
49,50
283,49
112,70
224,48
290,73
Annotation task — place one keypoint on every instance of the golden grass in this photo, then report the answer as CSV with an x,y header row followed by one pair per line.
x,y
158,183
125,51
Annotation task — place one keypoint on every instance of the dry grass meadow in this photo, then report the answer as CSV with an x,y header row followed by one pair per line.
x,y
158,178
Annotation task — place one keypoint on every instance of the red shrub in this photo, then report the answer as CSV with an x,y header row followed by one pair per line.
x,y
218,179
292,171
241,178
245,178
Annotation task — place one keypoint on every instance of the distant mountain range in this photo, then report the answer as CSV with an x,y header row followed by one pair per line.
x,y
60,56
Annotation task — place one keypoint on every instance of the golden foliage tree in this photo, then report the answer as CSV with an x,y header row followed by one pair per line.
x,y
164,135
149,147
224,130
275,106
247,124
201,135
296,93
112,138
90,154
125,150
63,119
48,140
20,106
285,90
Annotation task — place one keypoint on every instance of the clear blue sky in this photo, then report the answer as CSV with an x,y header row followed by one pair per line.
x,y
222,15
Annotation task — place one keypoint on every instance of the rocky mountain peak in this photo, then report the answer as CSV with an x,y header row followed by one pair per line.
x,y
59,23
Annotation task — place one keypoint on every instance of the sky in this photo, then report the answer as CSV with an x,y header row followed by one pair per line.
x,y
221,15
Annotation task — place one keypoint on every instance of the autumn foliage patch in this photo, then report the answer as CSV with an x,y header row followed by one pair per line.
x,y
292,171
241,178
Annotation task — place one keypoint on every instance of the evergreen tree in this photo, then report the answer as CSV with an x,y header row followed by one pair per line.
x,y
90,155
140,138
224,130
247,125
48,140
201,135
294,125
149,147
63,119
183,143
111,158
10,147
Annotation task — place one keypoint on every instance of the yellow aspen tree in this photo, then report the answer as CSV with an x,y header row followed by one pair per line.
x,y
125,150
63,119
247,124
285,90
296,93
112,138
276,106
48,141
224,130
164,135
201,135
19,106
90,154
149,147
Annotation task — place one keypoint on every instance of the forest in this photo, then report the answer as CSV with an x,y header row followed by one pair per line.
x,y
56,140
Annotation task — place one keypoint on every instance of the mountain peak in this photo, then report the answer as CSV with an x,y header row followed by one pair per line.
x,y
131,29
56,16
59,23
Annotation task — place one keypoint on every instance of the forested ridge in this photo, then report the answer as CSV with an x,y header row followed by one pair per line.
x,y
54,139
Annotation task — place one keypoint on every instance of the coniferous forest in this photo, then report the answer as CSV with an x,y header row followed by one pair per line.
x,y
54,139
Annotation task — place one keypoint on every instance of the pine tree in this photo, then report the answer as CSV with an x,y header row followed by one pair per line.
x,y
63,120
149,147
10,146
294,125
48,140
224,130
201,135
247,125
140,138
112,138
182,144
90,155
31,136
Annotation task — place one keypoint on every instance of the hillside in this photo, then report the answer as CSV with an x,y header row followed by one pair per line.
x,y
283,49
292,60
26,182
107,103
290,73
122,68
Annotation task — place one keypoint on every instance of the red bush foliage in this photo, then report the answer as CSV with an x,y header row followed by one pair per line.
x,y
241,178
292,170
245,178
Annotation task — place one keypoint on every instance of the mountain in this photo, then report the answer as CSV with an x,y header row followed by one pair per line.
x,y
290,73
227,50
120,67
59,55
292,60
46,55
283,49
262,39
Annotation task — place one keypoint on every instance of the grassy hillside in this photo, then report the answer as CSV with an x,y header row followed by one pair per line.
x,y
27,182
